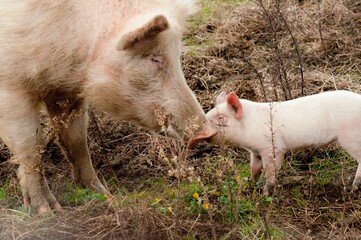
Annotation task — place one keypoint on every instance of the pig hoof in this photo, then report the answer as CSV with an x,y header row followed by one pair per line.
x,y
57,206
94,185
26,203
43,208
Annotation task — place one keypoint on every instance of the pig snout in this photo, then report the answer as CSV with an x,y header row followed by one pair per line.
x,y
206,133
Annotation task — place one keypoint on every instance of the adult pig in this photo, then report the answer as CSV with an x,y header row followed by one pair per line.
x,y
268,130
122,57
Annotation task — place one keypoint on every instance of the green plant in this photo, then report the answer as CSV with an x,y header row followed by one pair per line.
x,y
2,194
77,195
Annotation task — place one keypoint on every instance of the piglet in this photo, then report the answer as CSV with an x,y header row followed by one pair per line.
x,y
269,130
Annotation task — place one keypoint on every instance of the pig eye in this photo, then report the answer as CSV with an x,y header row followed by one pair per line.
x,y
158,61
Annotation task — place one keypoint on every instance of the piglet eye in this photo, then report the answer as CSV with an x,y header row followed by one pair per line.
x,y
158,60
221,120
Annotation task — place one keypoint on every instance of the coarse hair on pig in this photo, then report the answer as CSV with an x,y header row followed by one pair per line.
x,y
269,130
121,57
61,53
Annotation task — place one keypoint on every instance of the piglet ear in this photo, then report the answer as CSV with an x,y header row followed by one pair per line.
x,y
221,98
145,32
235,104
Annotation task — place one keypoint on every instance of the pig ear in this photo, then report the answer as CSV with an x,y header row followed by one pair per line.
x,y
235,104
221,98
149,30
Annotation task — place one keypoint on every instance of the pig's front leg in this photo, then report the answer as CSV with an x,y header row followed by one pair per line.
x,y
272,163
71,122
256,165
21,132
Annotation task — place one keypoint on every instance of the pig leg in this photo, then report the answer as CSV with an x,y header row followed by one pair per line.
x,y
354,149
357,181
256,165
71,120
20,131
271,166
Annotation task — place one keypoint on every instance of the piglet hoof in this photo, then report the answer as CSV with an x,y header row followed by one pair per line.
x,y
355,188
254,177
356,184
266,193
268,189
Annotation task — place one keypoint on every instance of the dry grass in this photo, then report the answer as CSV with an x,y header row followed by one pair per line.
x,y
262,50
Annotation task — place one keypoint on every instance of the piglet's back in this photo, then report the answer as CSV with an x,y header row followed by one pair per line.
x,y
317,118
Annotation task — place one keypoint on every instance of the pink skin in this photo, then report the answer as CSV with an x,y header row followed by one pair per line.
x,y
269,130
121,57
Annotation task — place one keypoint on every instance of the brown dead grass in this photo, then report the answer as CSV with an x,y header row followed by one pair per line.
x,y
262,51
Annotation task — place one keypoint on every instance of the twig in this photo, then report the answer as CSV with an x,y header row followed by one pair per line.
x,y
299,59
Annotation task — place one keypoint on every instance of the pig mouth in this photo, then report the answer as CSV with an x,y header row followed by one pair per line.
x,y
169,128
204,134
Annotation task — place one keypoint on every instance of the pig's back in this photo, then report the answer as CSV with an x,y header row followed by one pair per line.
x,y
39,40
316,119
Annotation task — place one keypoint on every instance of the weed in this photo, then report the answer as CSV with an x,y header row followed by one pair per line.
x,y
2,194
77,195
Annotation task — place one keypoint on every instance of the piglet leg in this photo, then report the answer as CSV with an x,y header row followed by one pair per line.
x,y
272,163
256,165
351,142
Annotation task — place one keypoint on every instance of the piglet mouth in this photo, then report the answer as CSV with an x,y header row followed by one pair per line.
x,y
204,134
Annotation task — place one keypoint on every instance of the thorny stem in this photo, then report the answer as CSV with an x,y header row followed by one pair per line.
x,y
299,59
97,128
279,60
206,197
273,148
265,222
271,105
230,193
281,66
179,151
320,26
